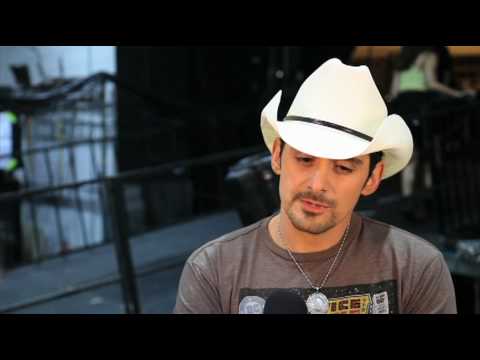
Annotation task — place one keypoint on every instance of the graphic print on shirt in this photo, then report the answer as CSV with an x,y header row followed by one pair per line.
x,y
379,298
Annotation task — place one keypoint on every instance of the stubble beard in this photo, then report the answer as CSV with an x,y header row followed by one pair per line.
x,y
309,222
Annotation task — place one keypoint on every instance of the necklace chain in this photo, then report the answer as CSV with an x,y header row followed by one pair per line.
x,y
317,288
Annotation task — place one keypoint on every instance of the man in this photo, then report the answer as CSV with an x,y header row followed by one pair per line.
x,y
335,144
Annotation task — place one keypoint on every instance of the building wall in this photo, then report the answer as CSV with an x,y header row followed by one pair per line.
x,y
76,61
67,62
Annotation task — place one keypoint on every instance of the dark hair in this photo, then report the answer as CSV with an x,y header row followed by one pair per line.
x,y
408,55
374,158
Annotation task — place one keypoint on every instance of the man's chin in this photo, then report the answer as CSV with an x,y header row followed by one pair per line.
x,y
313,224
309,214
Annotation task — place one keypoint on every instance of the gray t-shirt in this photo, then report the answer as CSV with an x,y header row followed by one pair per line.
x,y
383,269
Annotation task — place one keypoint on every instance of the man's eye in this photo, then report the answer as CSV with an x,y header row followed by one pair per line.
x,y
344,169
305,160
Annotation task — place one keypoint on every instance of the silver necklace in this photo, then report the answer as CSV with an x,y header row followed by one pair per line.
x,y
317,303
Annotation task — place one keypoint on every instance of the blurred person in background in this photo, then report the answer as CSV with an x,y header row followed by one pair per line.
x,y
421,69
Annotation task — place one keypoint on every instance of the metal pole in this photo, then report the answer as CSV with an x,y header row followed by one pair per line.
x,y
36,251
78,202
119,227
476,292
58,219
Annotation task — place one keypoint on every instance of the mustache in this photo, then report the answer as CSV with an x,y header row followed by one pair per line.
x,y
318,197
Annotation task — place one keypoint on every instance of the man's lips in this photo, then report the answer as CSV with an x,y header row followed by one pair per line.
x,y
314,205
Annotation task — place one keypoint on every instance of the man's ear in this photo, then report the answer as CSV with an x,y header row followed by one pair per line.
x,y
374,180
277,156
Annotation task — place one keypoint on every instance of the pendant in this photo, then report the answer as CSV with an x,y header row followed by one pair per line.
x,y
317,303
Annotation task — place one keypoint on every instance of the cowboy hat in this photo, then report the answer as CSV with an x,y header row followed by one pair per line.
x,y
338,113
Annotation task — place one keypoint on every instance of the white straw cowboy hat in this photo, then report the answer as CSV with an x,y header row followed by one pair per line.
x,y
338,113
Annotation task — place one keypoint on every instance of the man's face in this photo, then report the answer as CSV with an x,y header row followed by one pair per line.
x,y
316,193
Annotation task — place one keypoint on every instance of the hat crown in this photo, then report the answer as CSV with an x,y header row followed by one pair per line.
x,y
341,94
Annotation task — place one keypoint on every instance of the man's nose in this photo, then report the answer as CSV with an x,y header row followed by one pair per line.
x,y
320,180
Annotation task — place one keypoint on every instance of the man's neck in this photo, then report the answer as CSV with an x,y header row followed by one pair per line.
x,y
303,242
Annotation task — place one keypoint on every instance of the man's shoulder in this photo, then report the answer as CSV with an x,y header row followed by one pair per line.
x,y
230,242
400,240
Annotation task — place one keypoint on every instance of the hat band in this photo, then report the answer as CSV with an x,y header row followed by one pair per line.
x,y
330,125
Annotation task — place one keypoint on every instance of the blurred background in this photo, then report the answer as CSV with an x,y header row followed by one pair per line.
x,y
117,162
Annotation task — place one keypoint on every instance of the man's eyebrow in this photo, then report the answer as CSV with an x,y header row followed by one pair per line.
x,y
355,161
302,154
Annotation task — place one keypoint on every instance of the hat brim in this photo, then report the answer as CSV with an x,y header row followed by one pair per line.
x,y
393,138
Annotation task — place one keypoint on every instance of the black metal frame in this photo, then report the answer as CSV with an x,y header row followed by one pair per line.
x,y
119,226
451,137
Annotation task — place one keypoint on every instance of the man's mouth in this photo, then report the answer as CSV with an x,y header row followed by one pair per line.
x,y
314,206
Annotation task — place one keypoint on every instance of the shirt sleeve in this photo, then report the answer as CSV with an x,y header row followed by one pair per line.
x,y
434,293
197,292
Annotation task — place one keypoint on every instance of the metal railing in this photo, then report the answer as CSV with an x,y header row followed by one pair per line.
x,y
447,172
114,187
451,137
